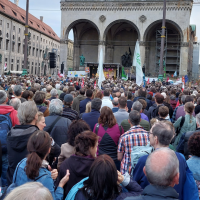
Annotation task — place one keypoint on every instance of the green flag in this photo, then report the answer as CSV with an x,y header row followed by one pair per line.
x,y
124,77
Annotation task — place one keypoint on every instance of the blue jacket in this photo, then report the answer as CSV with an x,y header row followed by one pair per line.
x,y
138,174
91,118
82,105
193,164
44,178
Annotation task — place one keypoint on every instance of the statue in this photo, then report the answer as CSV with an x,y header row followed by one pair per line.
x,y
82,60
126,60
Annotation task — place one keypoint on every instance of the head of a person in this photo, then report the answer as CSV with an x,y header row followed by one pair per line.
x,y
40,123
86,144
129,96
134,118
189,108
37,86
15,103
56,107
89,93
3,97
88,107
194,144
82,91
38,146
99,95
162,168
115,102
48,88
106,93
182,98
186,92
122,102
58,86
96,104
189,98
144,104
107,118
31,191
142,92
75,128
102,179
17,90
161,134
68,100
137,106
54,93
163,111
39,97
148,97
26,95
159,98
28,113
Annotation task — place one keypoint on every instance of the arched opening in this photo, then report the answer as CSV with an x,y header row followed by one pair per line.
x,y
86,40
173,39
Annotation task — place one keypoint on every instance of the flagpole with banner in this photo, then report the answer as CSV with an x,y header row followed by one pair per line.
x,y
124,76
137,64
100,69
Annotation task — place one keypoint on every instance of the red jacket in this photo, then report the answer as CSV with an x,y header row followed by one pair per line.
x,y
4,109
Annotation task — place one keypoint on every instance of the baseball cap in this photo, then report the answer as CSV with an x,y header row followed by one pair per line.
x,y
68,98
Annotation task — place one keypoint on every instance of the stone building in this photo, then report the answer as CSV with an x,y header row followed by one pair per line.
x,y
70,54
41,41
115,26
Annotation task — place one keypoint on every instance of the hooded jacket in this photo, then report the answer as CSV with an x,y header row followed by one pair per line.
x,y
79,168
17,146
5,109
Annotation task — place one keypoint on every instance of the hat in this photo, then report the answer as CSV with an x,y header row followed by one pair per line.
x,y
68,98
151,93
164,95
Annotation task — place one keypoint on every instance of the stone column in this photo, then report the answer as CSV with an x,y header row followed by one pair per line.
x,y
101,46
146,60
76,63
63,53
142,52
184,50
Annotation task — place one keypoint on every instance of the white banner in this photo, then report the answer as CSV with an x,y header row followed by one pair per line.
x,y
77,74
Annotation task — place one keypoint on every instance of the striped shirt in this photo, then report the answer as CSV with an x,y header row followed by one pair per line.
x,y
135,136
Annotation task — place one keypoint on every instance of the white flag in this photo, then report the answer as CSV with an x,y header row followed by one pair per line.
x,y
137,64
100,69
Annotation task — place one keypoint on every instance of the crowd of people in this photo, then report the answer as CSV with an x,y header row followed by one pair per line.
x,y
60,139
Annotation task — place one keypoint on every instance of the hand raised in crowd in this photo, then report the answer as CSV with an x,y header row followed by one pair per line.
x,y
54,172
65,179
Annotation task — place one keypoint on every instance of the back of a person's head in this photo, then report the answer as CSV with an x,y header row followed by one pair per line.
x,y
96,104
27,112
3,96
194,144
159,98
99,95
89,93
82,91
134,117
143,102
129,95
186,92
102,177
106,117
106,93
88,107
30,191
189,98
137,106
17,90
38,147
54,93
26,94
122,102
142,92
189,108
56,106
39,97
48,88
32,89
163,111
15,103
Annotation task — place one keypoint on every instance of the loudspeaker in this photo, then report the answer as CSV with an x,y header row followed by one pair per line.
x,y
52,58
62,68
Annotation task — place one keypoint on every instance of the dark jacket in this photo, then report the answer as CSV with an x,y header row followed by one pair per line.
x,y
82,105
69,113
152,192
150,111
133,190
149,103
170,109
78,167
197,109
17,146
60,129
91,118
129,105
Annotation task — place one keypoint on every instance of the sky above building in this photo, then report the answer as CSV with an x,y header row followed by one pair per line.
x,y
50,10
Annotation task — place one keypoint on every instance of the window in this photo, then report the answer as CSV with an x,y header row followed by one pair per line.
x,y
17,61
18,49
35,70
7,35
40,53
7,25
13,28
33,52
14,13
0,22
12,60
6,59
13,37
7,44
43,40
34,37
38,25
43,28
17,67
31,22
36,52
29,52
23,17
0,43
2,6
19,30
13,47
11,67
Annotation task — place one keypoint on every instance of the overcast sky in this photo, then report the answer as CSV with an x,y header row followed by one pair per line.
x,y
53,17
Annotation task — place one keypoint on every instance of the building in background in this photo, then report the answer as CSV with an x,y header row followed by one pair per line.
x,y
42,40
195,64
70,55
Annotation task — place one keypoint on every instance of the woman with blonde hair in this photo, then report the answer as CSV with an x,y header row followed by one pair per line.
x,y
40,123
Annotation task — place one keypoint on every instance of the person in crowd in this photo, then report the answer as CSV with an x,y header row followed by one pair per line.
x,y
122,113
173,101
136,136
48,90
166,102
105,182
88,107
58,89
115,103
82,105
109,132
163,112
27,95
68,112
189,122
92,117
67,149
56,125
34,167
41,103
62,95
106,99
78,99
40,123
160,136
99,95
30,191
15,103
194,161
197,107
18,93
79,164
144,105
54,94
139,107
162,172
129,100
18,137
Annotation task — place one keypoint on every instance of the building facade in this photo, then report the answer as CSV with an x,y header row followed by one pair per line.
x,y
115,26
42,40
70,53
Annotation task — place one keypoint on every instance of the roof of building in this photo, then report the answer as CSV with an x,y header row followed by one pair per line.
x,y
19,14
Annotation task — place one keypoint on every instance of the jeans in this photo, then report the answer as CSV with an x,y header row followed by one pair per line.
x,y
4,170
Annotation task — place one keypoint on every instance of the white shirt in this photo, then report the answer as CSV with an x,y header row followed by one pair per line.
x,y
107,102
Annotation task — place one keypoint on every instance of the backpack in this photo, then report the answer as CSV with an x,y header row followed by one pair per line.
x,y
155,112
5,127
97,129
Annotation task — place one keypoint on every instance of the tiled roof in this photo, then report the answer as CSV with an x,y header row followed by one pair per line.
x,y
12,10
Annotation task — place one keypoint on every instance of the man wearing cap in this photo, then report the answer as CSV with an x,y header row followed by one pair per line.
x,y
68,112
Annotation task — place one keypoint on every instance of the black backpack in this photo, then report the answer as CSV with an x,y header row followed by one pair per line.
x,y
155,112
